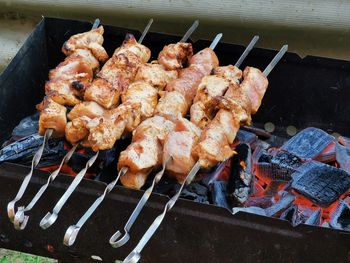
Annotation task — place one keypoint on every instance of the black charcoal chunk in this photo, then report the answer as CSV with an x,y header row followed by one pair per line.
x,y
246,137
308,143
315,218
218,190
280,205
340,218
292,215
278,166
26,127
342,154
195,192
23,150
321,183
240,184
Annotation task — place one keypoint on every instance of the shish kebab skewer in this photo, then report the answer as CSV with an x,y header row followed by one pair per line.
x,y
20,220
72,232
117,240
50,218
135,255
83,55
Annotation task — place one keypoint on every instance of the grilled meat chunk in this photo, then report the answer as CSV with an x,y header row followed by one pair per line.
x,y
254,85
230,72
106,130
171,105
144,94
89,109
91,40
155,75
215,140
174,56
52,116
77,130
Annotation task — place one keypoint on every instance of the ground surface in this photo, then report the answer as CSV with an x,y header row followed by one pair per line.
x,y
9,256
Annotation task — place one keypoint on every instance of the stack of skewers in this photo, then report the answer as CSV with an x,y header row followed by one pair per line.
x,y
149,101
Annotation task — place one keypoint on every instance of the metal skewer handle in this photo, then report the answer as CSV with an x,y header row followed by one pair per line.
x,y
135,255
215,41
21,219
11,207
72,231
190,31
117,240
50,218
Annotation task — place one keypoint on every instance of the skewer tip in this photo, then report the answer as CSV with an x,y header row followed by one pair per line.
x,y
96,23
216,41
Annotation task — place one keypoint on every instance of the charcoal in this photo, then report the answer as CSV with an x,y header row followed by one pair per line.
x,y
344,141
343,157
218,190
166,186
280,205
340,218
278,166
260,132
195,192
23,150
315,218
262,202
215,174
293,215
251,210
240,183
308,143
26,127
246,137
320,183
327,155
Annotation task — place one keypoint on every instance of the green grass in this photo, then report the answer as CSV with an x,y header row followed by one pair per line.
x,y
9,256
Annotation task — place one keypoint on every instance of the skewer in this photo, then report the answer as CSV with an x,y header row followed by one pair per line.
x,y
11,206
20,220
117,240
190,31
72,231
50,218
247,51
145,31
135,255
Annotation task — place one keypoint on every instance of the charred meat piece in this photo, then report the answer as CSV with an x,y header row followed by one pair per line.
x,y
52,116
77,130
174,56
178,145
201,64
144,94
106,130
254,85
91,40
155,75
215,140
89,109
230,72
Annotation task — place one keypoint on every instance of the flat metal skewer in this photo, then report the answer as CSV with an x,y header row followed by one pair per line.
x,y
21,219
275,60
247,51
117,240
50,218
135,255
73,231
11,206
190,31
145,31
215,41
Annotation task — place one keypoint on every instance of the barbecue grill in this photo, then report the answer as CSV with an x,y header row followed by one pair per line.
x,y
303,92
